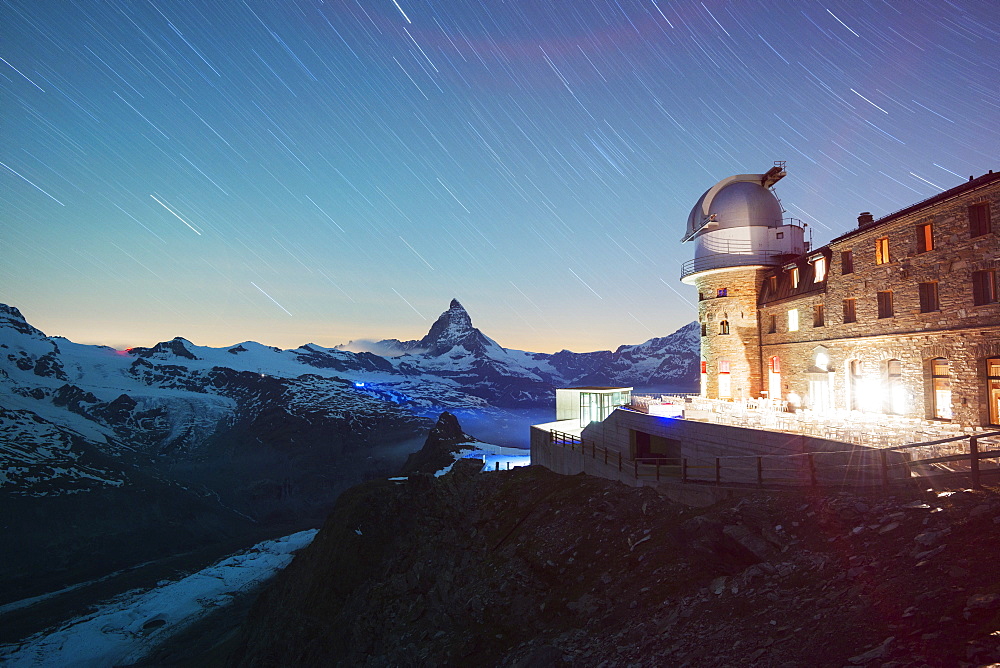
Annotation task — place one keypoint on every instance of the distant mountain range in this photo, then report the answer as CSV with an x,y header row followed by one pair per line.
x,y
260,434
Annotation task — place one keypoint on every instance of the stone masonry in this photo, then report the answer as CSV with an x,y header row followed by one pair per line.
x,y
890,256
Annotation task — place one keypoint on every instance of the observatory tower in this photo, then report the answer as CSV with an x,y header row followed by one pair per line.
x,y
739,235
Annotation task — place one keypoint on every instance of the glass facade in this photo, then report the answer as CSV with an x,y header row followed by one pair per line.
x,y
595,406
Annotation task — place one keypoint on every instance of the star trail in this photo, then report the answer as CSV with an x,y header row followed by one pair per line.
x,y
290,172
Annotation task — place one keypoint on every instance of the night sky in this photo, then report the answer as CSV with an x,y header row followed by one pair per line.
x,y
292,172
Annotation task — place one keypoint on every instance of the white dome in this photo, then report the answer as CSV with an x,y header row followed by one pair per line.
x,y
737,201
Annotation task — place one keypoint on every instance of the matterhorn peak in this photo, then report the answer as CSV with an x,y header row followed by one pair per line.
x,y
454,328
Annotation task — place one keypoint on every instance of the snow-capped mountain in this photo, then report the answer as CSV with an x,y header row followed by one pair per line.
x,y
250,433
177,399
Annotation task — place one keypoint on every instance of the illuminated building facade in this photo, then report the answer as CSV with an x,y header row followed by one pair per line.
x,y
900,315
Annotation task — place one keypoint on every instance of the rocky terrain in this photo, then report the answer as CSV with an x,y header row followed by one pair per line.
x,y
527,568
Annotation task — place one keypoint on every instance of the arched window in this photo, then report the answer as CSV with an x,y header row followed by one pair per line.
x,y
725,380
895,398
854,384
941,389
723,327
774,378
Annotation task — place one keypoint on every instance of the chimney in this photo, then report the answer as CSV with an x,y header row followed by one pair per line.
x,y
864,218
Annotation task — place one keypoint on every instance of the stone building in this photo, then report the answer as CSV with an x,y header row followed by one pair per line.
x,y
900,315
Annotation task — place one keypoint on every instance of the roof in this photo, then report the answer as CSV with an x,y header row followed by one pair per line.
x,y
971,184
595,387
783,285
737,201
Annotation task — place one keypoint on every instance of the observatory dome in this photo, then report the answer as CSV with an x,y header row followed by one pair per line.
x,y
737,201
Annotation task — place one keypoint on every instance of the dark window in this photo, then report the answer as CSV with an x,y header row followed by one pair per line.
x,y
772,324
929,297
850,314
723,327
884,304
882,250
984,287
704,329
925,238
979,219
721,292
701,297
846,262
818,315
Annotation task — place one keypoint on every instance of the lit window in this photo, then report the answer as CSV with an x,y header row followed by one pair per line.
x,y
846,262
925,238
984,287
793,320
979,219
794,275
882,250
884,304
993,388
850,314
929,297
819,270
822,361
941,386
725,380
818,320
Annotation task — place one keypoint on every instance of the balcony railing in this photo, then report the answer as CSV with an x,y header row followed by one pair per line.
x,y
734,259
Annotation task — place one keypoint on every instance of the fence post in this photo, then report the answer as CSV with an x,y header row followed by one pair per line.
x,y
974,461
760,471
812,471
718,470
684,470
497,466
619,462
884,468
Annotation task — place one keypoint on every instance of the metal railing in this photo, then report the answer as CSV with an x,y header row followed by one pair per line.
x,y
845,468
725,259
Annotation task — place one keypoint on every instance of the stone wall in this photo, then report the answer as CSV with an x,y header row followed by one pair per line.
x,y
960,331
741,346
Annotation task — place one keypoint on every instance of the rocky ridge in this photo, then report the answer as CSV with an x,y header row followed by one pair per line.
x,y
527,568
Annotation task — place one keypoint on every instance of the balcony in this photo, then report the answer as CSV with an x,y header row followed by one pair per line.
x,y
767,257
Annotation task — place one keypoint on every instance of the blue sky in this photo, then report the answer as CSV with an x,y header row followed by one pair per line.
x,y
324,171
